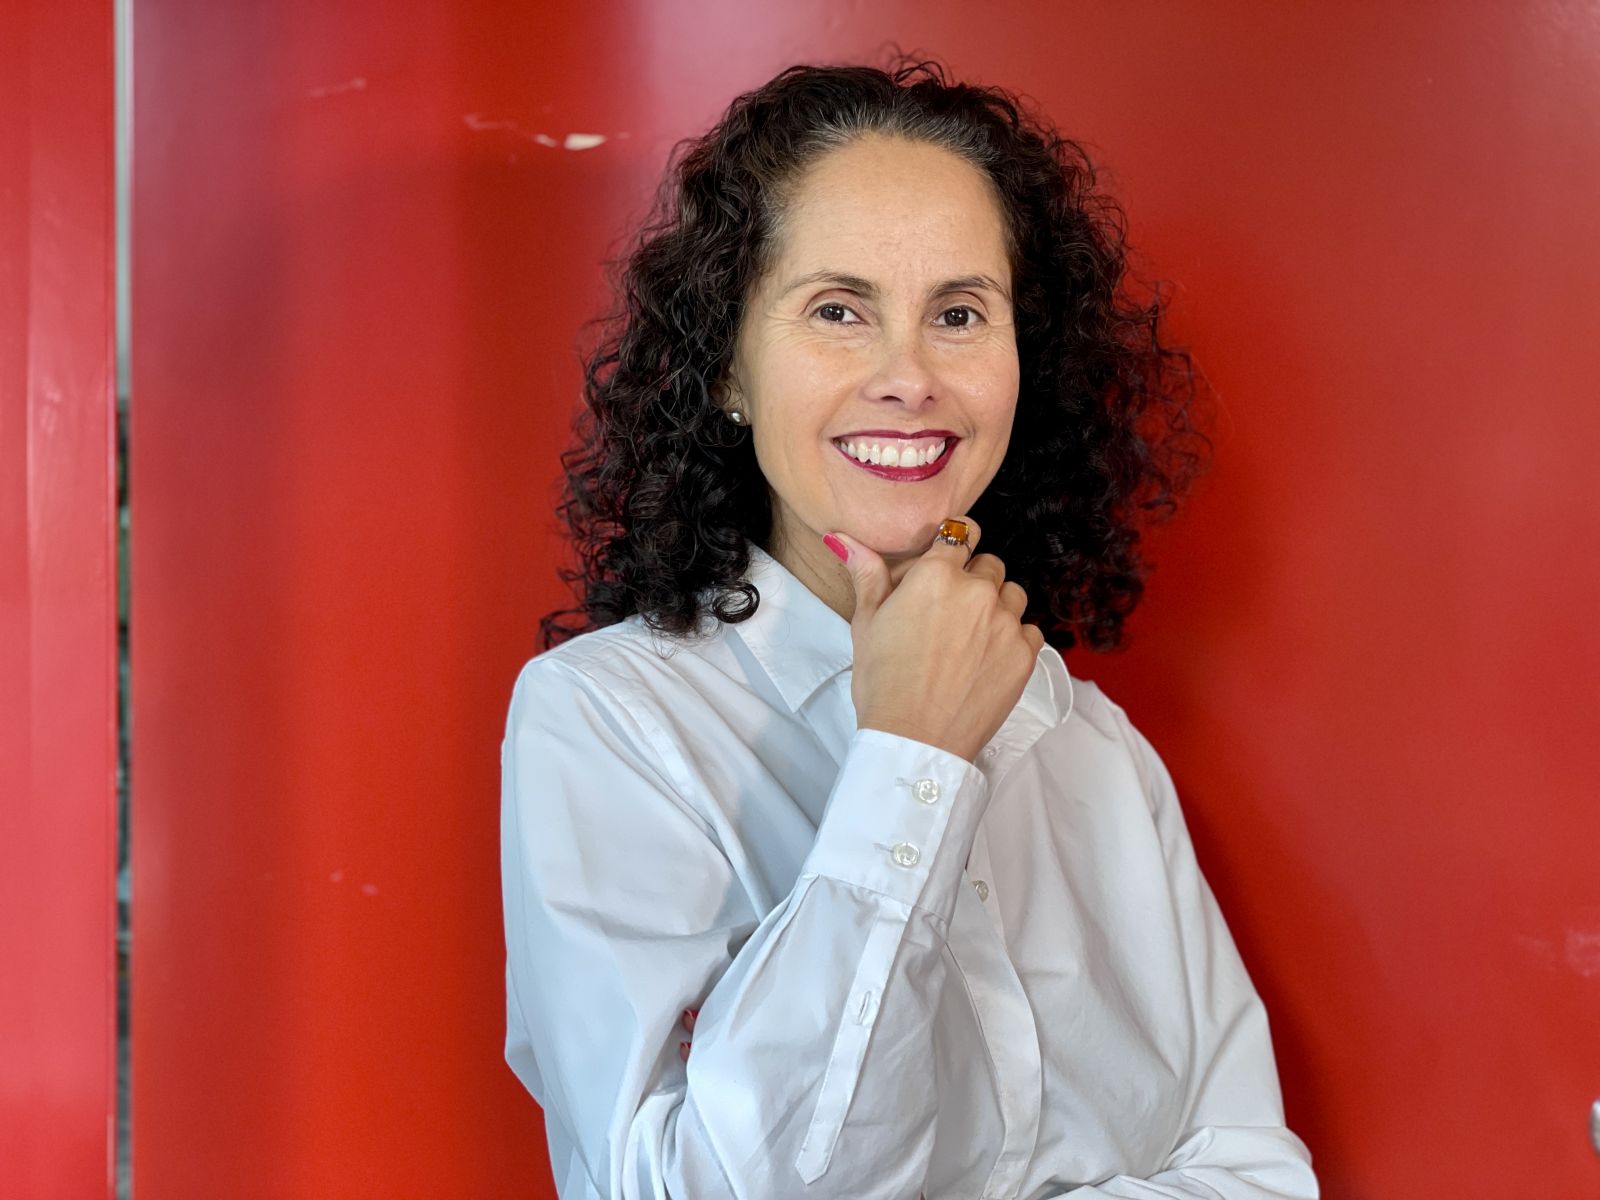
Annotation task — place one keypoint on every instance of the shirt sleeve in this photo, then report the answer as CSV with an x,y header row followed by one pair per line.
x,y
1235,1145
622,909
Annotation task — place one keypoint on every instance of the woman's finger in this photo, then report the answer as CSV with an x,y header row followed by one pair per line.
x,y
1013,597
989,566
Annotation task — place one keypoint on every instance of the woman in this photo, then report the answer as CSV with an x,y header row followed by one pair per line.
x,y
810,783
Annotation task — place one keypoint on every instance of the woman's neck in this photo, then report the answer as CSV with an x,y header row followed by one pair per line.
x,y
827,577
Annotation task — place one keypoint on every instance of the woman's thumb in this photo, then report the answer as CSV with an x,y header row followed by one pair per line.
x,y
868,572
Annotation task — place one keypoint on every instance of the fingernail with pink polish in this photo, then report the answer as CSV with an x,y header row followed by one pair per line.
x,y
840,550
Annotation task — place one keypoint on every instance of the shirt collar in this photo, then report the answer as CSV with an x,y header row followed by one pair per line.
x,y
801,643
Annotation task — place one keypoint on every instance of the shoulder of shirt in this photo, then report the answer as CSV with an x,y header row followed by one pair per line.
x,y
625,661
641,678
626,670
1092,709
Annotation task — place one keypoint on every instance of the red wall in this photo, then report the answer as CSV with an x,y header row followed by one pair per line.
x,y
1368,654
58,602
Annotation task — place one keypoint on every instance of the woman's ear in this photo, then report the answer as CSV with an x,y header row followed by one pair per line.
x,y
727,396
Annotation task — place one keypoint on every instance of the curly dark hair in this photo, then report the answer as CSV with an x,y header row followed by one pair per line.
x,y
662,492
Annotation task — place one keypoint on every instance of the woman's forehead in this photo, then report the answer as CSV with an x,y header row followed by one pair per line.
x,y
883,208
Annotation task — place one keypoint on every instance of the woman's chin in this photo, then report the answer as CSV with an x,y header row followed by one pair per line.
x,y
898,544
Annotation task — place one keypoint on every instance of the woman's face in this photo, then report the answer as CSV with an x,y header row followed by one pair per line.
x,y
885,323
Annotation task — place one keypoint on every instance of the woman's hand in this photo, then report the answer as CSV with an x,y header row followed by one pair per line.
x,y
943,657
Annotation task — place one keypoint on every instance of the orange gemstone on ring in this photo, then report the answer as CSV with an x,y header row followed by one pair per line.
x,y
954,531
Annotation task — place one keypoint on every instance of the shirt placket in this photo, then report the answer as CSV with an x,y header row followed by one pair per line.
x,y
1006,1020
981,881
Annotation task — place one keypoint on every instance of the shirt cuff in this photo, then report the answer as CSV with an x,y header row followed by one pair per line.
x,y
900,820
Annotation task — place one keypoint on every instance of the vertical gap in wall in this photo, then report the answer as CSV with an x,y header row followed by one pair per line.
x,y
123,83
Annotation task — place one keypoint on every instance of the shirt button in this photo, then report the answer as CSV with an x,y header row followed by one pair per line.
x,y
905,854
981,888
988,751
926,790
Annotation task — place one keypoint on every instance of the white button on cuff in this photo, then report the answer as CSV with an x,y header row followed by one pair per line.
x,y
905,854
988,751
926,790
981,888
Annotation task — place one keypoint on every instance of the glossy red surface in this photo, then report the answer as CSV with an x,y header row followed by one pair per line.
x,y
58,602
366,239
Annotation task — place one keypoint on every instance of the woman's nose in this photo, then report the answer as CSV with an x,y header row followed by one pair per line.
x,y
902,371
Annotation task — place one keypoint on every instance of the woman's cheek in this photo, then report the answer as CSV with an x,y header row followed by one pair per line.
x,y
829,366
987,374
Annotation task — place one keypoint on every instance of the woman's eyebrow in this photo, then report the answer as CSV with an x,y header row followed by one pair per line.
x,y
970,283
842,279
866,288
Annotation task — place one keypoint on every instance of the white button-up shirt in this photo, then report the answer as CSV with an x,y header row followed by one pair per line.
x,y
914,974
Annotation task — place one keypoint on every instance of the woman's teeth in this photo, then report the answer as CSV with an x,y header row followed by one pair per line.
x,y
893,454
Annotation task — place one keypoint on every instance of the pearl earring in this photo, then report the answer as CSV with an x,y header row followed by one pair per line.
x,y
737,417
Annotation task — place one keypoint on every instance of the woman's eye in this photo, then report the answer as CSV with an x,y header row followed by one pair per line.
x,y
836,313
960,317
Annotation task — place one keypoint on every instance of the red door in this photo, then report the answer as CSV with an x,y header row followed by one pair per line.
x,y
365,240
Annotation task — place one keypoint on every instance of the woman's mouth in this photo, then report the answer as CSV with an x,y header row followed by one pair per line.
x,y
903,460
